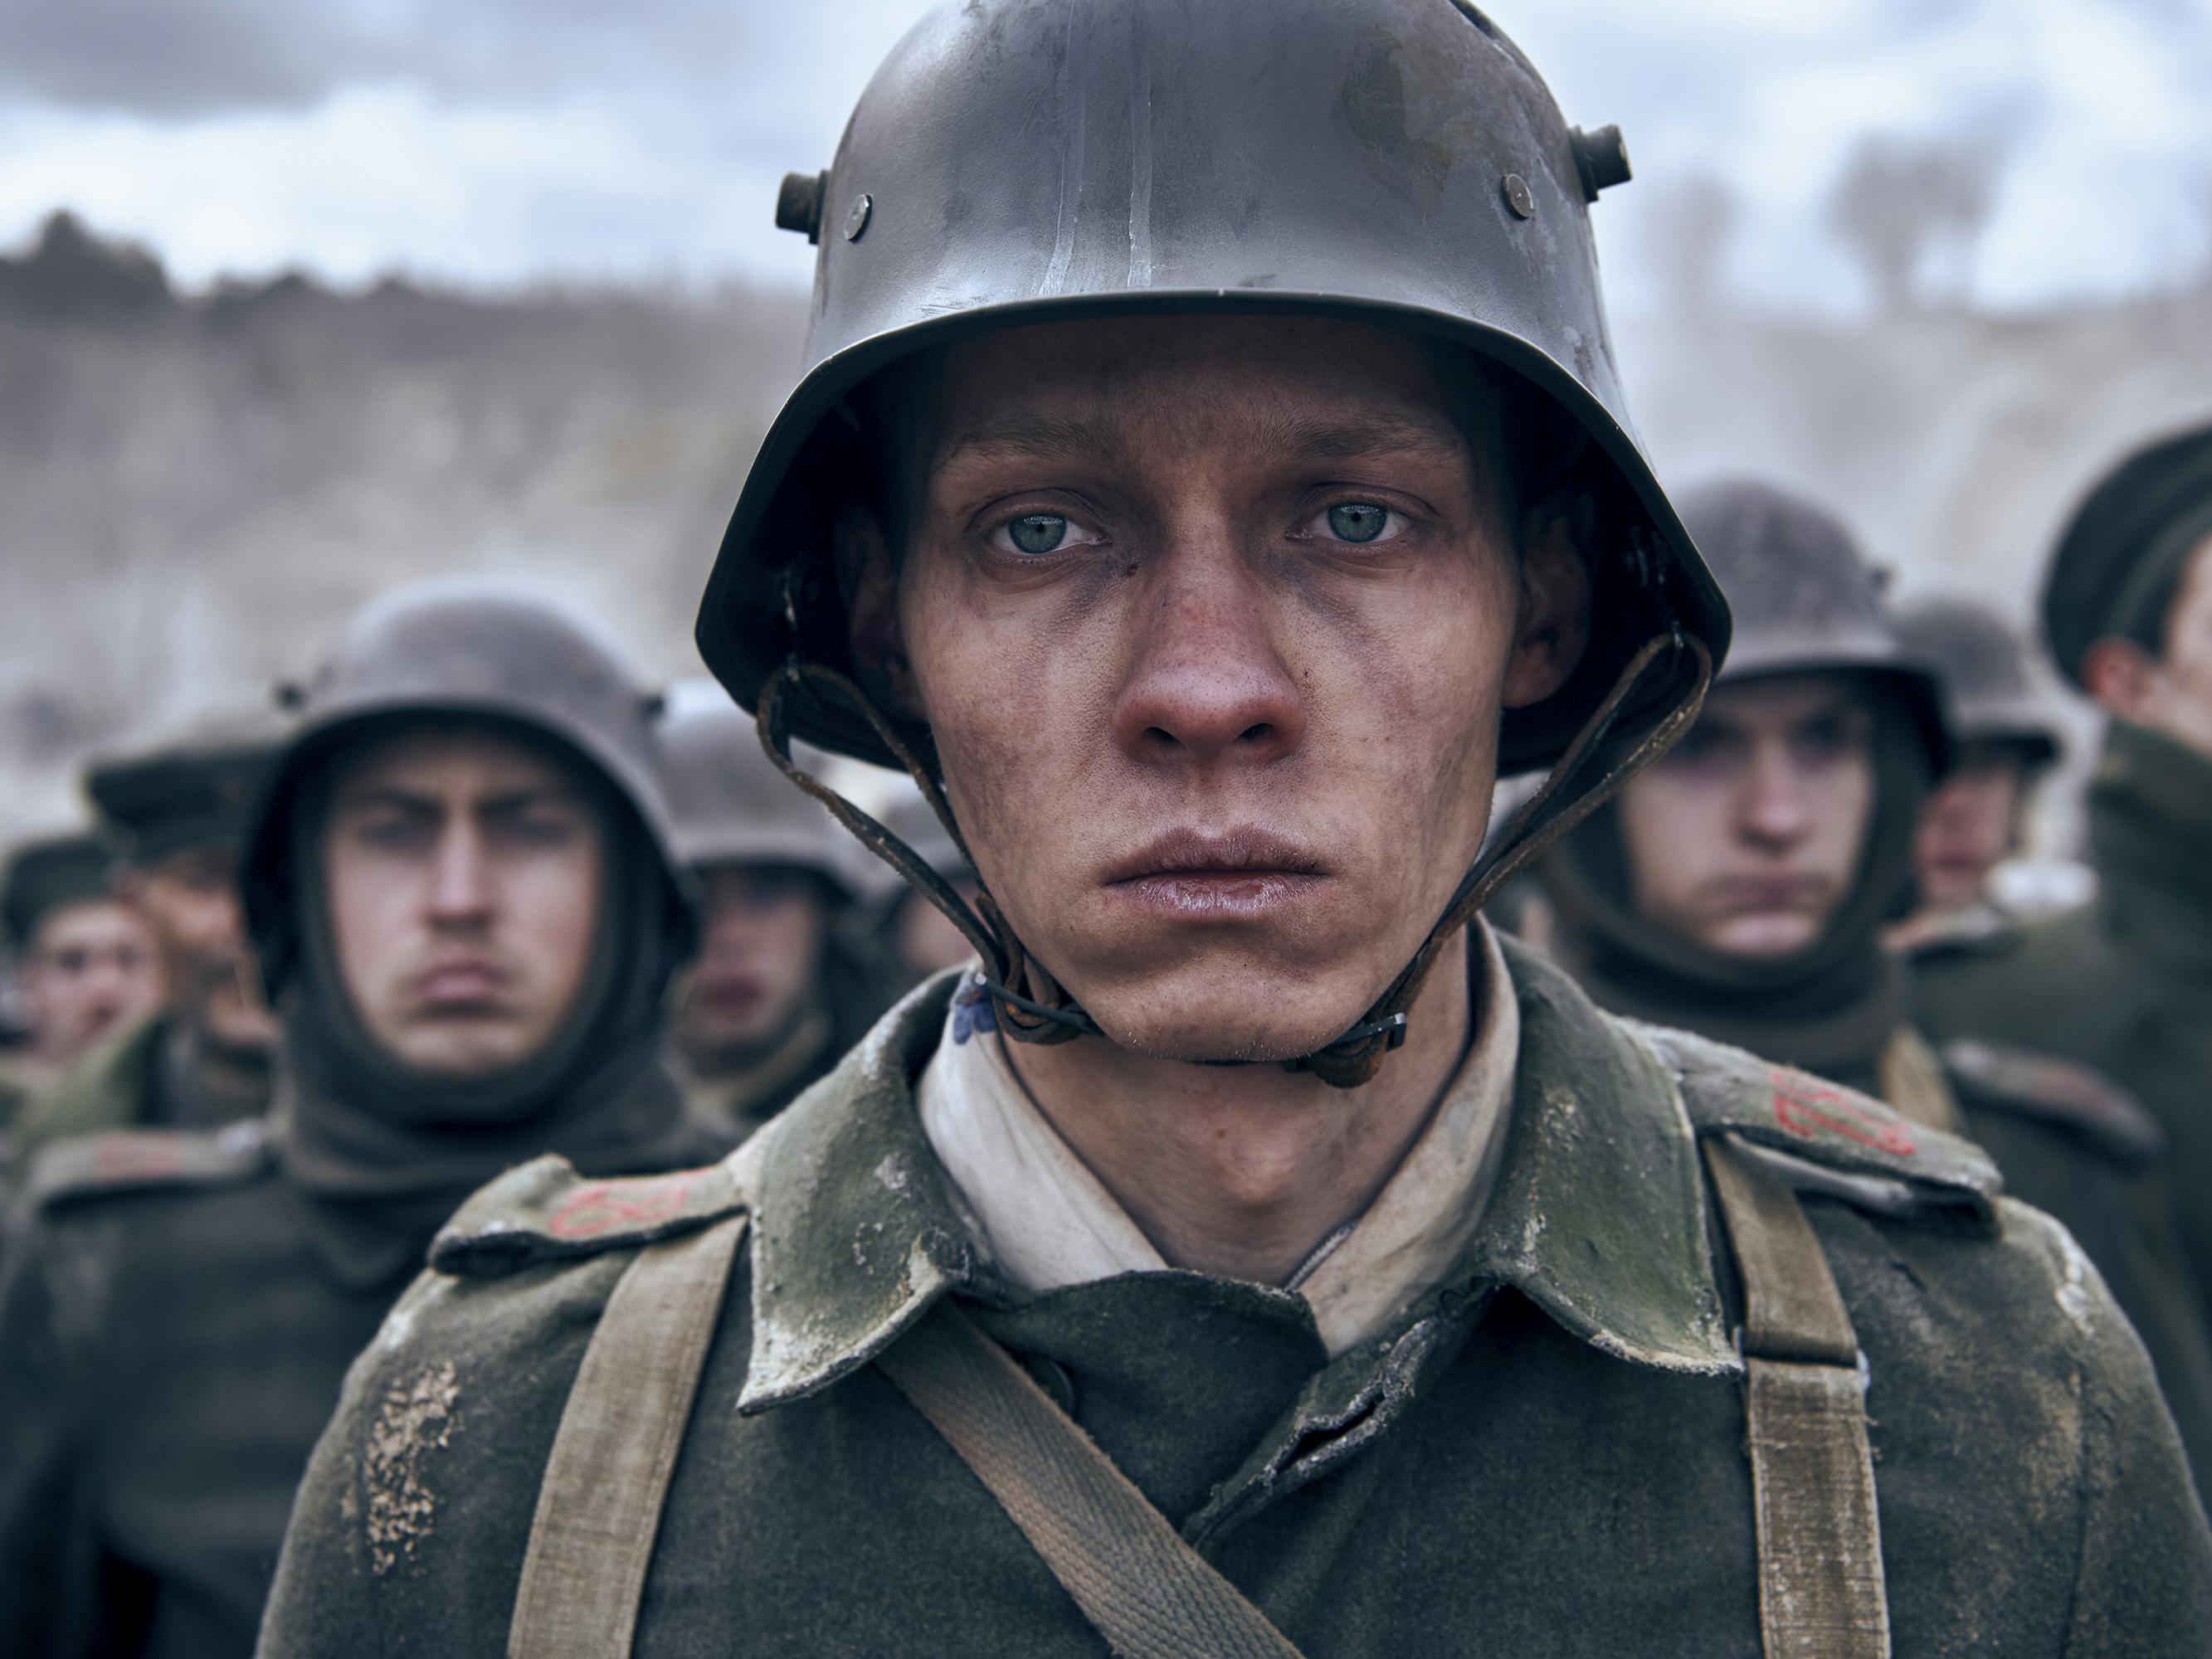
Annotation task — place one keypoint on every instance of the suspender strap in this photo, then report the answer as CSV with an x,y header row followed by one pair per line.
x,y
1821,1594
599,1507
1137,1580
1911,1078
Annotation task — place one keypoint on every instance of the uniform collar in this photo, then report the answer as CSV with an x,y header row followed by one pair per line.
x,y
1597,1214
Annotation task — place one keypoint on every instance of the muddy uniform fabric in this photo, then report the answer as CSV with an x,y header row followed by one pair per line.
x,y
1503,1470
158,1074
177,1312
2123,983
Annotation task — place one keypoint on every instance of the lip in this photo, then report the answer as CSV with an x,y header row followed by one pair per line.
x,y
733,995
461,981
1754,895
1242,873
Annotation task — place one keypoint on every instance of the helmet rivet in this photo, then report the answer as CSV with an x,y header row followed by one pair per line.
x,y
1519,197
857,219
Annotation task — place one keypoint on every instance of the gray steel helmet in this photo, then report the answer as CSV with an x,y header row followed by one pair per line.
x,y
1806,599
462,648
730,805
1398,162
1989,685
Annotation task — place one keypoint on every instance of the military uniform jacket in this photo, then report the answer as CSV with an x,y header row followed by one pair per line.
x,y
172,1338
133,1080
1543,1456
2123,983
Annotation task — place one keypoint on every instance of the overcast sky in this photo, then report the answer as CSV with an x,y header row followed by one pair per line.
x,y
503,140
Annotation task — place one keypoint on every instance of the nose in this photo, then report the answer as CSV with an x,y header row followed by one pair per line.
x,y
1775,810
460,877
1207,682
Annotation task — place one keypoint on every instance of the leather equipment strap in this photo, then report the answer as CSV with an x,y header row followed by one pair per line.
x,y
1141,1585
1821,1592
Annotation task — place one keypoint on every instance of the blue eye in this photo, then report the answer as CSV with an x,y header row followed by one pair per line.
x,y
1038,532
1358,521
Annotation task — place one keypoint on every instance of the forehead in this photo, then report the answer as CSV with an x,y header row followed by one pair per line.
x,y
1128,383
1778,701
87,922
453,759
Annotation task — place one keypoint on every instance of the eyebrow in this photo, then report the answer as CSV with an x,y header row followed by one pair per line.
x,y
409,800
1057,437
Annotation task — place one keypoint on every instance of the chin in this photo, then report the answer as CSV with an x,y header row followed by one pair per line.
x,y
1764,936
449,1052
1199,1015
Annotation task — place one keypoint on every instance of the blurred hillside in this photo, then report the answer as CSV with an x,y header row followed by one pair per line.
x,y
197,488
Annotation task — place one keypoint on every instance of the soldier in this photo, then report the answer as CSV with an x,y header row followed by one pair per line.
x,y
1738,889
779,990
173,814
2125,982
85,964
461,891
2006,739
1263,1242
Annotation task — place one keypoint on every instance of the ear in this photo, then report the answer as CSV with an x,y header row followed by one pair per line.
x,y
874,634
1552,621
2120,675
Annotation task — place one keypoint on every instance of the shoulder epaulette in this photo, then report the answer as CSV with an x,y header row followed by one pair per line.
x,y
137,1160
544,1211
2021,1080
1897,1165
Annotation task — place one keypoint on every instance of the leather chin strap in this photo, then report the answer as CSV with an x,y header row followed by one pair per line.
x,y
1031,1006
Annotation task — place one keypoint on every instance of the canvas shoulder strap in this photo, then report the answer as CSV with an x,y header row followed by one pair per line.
x,y
1139,1582
1821,1591
614,1452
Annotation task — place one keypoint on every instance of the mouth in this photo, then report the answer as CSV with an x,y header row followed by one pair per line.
x,y
1237,874
732,998
1770,894
465,982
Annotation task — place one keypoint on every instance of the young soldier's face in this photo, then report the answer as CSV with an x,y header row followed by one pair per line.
x,y
464,872
1746,836
89,970
1968,825
1214,621
761,931
190,900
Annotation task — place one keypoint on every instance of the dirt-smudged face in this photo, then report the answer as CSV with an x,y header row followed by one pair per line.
x,y
1214,620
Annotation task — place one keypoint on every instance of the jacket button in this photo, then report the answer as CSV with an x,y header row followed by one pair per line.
x,y
1054,1378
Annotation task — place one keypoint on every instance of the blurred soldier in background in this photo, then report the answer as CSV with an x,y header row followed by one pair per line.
x,y
2125,982
779,990
174,814
1255,1255
2004,737
916,932
1738,889
461,891
84,965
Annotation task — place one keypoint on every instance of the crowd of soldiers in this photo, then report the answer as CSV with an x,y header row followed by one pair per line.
x,y
1219,1190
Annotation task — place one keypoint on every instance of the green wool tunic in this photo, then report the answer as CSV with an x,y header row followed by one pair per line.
x,y
1544,1455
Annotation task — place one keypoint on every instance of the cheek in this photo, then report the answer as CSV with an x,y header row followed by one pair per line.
x,y
1673,830
556,901
370,919
1843,801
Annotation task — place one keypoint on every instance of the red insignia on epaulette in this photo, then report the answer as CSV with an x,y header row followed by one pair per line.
x,y
603,1206
1805,1106
136,1156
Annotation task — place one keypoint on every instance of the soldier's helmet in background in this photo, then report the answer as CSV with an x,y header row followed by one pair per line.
x,y
1989,682
2120,557
1806,599
189,787
446,649
47,873
728,804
